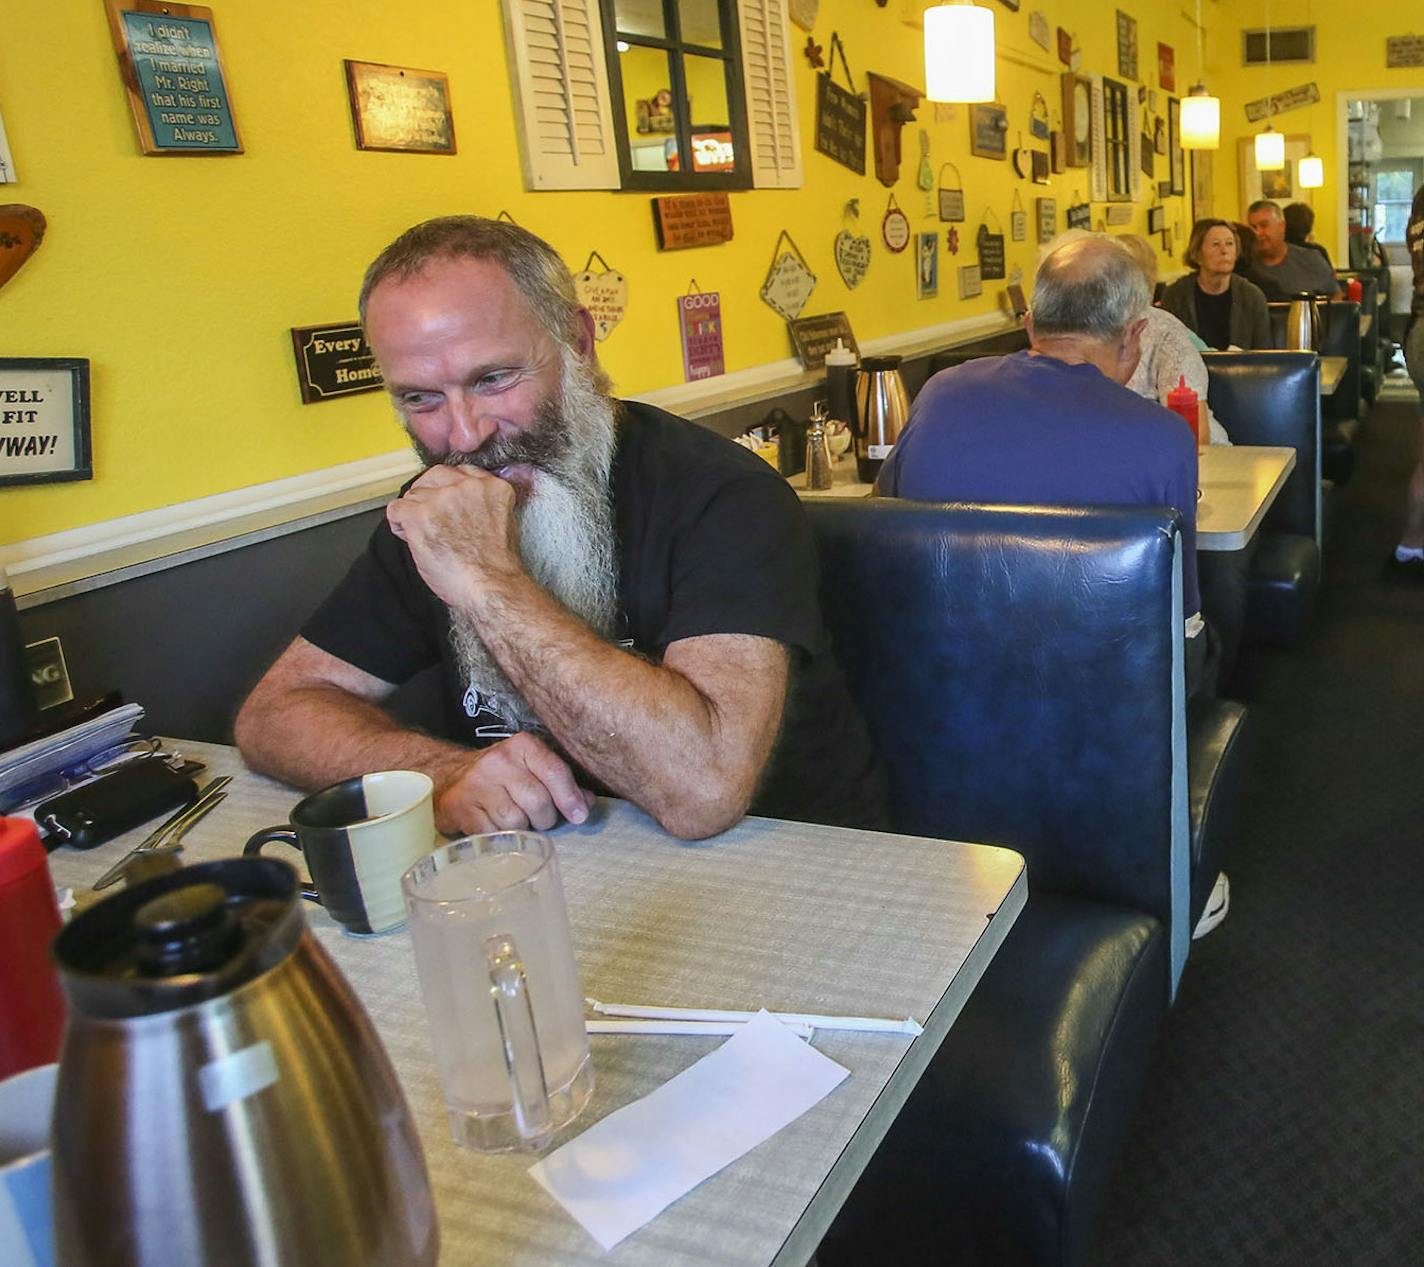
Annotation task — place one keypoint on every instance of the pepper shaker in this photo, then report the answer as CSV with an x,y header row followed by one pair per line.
x,y
818,450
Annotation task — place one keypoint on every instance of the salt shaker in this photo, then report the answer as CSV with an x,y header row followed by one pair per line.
x,y
818,449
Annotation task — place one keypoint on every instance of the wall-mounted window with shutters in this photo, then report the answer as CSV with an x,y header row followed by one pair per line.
x,y
653,94
555,50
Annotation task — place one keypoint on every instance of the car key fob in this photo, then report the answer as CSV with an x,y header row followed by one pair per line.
x,y
134,793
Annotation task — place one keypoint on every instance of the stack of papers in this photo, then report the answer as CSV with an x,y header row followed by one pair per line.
x,y
56,753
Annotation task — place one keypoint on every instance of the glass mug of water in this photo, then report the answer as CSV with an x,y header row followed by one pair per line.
x,y
496,967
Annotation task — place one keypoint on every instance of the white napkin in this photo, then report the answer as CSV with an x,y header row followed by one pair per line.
x,y
632,1165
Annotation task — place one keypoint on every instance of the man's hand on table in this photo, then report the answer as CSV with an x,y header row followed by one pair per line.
x,y
516,783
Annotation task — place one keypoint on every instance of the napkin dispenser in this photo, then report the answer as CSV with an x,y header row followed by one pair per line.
x,y
223,1096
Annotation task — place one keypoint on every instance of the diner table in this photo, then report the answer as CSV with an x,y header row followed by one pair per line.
x,y
783,915
1238,484
1332,370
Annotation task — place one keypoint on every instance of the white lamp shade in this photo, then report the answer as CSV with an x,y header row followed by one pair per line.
x,y
1310,172
1270,150
1201,122
959,53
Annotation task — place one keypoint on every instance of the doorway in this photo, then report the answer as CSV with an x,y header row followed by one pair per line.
x,y
1384,156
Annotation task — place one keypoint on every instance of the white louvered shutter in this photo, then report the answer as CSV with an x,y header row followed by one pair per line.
x,y
774,133
1134,145
1098,175
562,106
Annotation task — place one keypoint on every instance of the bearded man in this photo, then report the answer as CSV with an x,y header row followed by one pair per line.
x,y
618,599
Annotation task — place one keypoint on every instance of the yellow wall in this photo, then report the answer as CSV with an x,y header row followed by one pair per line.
x,y
1350,55
179,277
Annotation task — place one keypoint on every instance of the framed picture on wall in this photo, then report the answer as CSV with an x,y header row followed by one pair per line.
x,y
1278,186
46,420
400,108
1078,118
1175,157
989,131
1203,185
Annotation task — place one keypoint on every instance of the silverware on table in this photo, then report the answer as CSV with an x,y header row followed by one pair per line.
x,y
168,835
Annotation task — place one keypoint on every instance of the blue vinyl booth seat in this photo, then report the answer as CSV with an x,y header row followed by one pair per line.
x,y
1340,411
1273,398
1020,670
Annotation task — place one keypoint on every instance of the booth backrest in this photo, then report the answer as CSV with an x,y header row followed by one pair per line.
x,y
1369,303
1274,398
1020,670
1339,336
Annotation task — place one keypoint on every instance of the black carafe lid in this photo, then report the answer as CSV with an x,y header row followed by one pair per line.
x,y
179,939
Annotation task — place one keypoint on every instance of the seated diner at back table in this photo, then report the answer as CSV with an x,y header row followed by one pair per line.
x,y
1056,425
1224,309
616,599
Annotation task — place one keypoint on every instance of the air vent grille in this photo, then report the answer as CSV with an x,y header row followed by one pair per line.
x,y
1288,44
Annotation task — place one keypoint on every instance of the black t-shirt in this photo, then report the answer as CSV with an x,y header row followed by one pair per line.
x,y
1214,319
711,540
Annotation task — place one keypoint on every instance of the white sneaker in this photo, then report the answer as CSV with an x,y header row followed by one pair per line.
x,y
1216,907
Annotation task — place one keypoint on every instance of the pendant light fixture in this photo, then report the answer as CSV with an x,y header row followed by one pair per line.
x,y
959,53
1270,144
1201,112
1310,171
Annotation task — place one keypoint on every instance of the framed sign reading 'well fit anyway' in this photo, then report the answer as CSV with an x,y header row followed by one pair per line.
x,y
44,420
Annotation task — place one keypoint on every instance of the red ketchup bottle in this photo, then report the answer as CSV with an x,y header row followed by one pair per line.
x,y
31,1004
1183,400
1355,290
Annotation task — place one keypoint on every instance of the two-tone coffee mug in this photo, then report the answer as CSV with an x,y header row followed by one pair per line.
x,y
358,837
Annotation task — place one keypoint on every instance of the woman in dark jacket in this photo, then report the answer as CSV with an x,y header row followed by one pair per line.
x,y
1224,309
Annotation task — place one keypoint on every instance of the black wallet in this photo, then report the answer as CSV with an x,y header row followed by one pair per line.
x,y
89,815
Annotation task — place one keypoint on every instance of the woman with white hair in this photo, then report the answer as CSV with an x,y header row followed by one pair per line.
x,y
1170,352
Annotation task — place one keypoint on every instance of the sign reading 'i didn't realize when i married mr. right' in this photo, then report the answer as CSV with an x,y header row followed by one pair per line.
x,y
173,72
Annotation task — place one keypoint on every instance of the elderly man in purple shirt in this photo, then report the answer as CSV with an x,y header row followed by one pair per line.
x,y
1055,424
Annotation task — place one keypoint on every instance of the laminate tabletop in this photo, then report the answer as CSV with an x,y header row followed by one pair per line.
x,y
1238,482
787,916
1332,370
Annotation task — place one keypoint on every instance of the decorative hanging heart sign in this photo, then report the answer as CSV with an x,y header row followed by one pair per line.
x,y
22,229
852,257
895,228
788,283
604,294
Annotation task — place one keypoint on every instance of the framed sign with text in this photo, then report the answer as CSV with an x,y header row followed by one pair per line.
x,y
684,220
813,337
172,69
400,108
988,131
333,361
44,420
699,320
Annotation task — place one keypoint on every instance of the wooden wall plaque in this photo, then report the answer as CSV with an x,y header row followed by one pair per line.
x,y
173,74
685,220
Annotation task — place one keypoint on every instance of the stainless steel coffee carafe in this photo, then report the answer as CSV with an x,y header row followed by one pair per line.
x,y
223,1097
1303,323
882,408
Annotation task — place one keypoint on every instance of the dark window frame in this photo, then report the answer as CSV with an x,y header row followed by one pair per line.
x,y
1117,144
686,180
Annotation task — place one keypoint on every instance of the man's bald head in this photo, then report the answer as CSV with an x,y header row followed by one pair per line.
x,y
1089,287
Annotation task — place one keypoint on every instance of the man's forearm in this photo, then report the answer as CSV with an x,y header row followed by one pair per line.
x,y
643,730
312,736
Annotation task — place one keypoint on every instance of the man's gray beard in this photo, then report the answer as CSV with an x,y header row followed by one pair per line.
x,y
566,533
